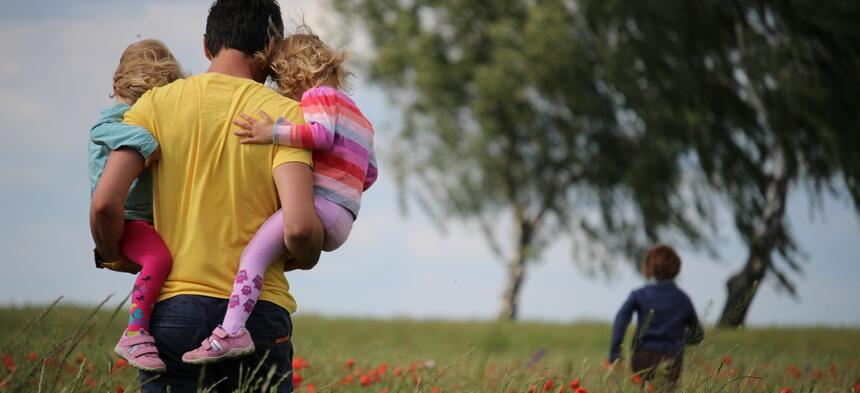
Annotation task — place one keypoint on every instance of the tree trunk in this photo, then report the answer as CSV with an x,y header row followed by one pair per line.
x,y
743,286
516,272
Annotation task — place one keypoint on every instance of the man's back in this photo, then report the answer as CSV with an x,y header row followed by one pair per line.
x,y
210,192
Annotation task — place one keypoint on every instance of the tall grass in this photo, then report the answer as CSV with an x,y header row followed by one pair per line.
x,y
69,349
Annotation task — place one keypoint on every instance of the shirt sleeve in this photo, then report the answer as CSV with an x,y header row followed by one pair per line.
x,y
694,333
115,135
286,154
372,171
321,111
141,114
619,327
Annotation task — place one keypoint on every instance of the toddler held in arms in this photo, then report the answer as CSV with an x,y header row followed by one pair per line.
x,y
143,65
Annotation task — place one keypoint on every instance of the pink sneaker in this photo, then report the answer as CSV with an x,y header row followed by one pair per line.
x,y
140,352
221,345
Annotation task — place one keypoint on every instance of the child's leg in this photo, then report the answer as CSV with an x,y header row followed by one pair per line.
x,y
142,245
266,245
336,220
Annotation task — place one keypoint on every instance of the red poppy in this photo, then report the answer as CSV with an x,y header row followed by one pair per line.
x,y
548,385
349,363
532,389
786,390
435,390
32,356
727,360
119,389
637,379
9,363
856,387
299,363
574,384
581,390
311,388
364,379
297,378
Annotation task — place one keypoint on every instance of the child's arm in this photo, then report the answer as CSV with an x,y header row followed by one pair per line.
x,y
116,135
622,320
321,111
694,333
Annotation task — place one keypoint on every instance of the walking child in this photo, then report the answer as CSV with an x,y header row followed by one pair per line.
x,y
665,319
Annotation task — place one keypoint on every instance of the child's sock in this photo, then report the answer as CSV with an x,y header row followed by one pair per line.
x,y
266,245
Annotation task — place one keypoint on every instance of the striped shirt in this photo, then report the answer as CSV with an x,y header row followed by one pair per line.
x,y
342,142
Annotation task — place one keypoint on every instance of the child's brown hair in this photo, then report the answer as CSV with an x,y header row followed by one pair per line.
x,y
142,66
303,61
662,263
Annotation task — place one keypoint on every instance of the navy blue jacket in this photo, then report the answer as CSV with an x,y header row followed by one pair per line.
x,y
665,320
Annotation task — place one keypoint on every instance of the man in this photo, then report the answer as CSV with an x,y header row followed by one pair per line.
x,y
211,194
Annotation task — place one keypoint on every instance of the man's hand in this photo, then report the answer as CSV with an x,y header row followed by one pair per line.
x,y
255,131
155,156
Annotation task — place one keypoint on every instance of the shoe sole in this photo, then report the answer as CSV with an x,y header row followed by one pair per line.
x,y
137,365
231,354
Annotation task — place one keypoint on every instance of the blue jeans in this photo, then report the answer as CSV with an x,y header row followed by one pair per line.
x,y
181,323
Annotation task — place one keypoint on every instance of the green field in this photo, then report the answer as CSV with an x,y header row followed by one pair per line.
x,y
70,349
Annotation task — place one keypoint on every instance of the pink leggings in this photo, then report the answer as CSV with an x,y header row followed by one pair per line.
x,y
142,245
267,245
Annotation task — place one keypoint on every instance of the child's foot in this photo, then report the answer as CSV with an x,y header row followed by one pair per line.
x,y
140,351
221,345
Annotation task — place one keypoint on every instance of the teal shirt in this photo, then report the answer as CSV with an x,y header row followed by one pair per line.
x,y
110,133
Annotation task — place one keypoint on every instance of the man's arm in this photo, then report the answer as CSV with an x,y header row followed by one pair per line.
x,y
107,212
303,232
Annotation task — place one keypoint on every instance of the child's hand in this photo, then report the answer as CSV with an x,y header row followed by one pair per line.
x,y
155,156
255,131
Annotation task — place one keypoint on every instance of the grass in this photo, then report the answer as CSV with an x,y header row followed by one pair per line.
x,y
69,349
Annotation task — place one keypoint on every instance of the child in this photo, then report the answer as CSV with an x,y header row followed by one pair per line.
x,y
143,65
341,137
665,319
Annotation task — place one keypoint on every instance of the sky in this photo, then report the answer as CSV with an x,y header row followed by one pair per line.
x,y
55,76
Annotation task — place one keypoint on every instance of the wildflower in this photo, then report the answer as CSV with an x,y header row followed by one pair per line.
x,y
311,388
299,363
435,390
637,379
817,374
727,360
9,363
786,390
383,391
794,371
364,379
548,385
349,363
346,380
397,371
32,356
574,384
581,390
80,358
532,389
297,378
855,388
119,389
90,382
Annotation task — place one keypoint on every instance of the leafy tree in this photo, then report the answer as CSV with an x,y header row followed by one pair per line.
x,y
509,125
762,94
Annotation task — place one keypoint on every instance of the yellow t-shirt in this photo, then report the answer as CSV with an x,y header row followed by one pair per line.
x,y
211,193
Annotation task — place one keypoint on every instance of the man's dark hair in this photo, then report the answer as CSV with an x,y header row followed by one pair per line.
x,y
245,25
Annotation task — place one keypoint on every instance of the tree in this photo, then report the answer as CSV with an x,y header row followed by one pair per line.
x,y
510,125
764,96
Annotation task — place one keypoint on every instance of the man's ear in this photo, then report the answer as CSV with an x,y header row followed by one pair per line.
x,y
206,49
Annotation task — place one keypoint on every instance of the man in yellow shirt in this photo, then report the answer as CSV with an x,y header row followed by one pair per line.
x,y
210,194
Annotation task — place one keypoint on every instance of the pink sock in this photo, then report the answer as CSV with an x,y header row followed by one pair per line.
x,y
261,251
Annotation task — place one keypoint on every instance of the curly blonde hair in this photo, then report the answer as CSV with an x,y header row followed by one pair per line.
x,y
142,66
302,61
